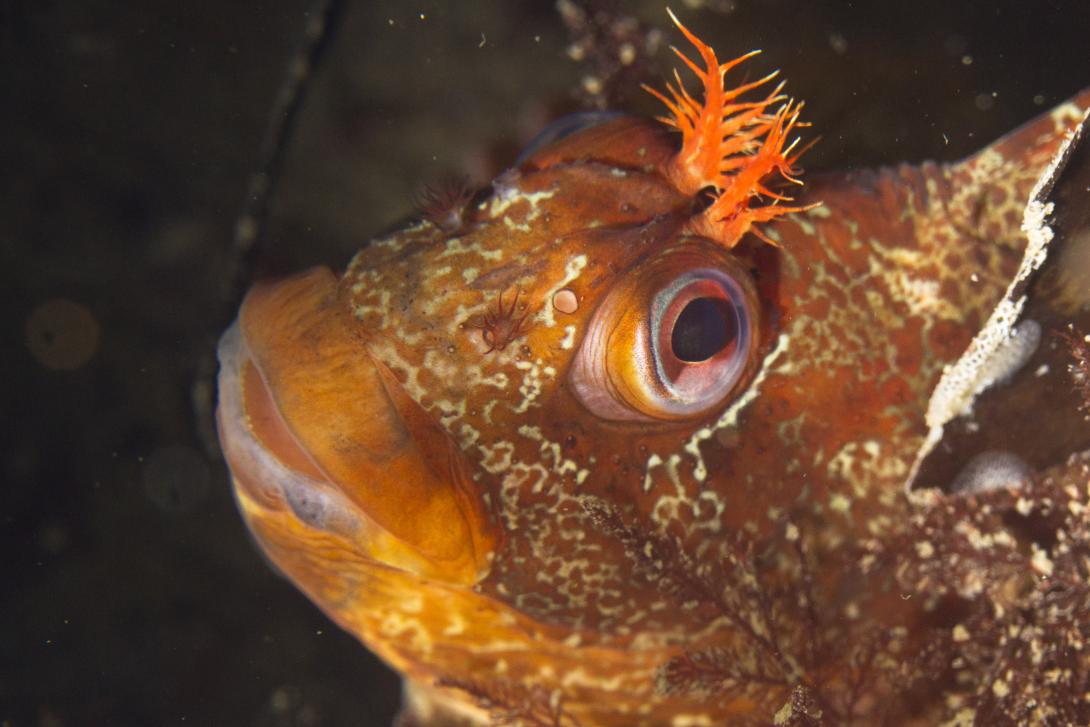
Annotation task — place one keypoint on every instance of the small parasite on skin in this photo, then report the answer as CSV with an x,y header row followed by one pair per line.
x,y
502,325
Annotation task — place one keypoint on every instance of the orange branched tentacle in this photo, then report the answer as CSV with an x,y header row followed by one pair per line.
x,y
732,147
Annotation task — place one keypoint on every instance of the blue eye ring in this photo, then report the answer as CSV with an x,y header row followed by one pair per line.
x,y
691,384
564,127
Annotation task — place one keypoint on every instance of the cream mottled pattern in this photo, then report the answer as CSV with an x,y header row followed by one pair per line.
x,y
634,551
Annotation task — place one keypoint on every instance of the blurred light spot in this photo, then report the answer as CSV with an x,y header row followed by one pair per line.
x,y
954,45
284,699
592,85
179,240
627,54
53,538
176,479
984,101
838,43
48,718
62,335
717,6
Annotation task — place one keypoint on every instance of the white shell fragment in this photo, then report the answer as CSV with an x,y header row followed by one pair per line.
x,y
990,470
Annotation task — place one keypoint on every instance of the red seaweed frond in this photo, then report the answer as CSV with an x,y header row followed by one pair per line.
x,y
1079,367
731,146
513,704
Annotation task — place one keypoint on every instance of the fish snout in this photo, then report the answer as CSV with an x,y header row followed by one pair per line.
x,y
320,435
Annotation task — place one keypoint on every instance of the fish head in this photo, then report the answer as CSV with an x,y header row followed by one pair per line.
x,y
542,447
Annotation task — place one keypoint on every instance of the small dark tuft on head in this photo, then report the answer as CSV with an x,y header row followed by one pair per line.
x,y
445,204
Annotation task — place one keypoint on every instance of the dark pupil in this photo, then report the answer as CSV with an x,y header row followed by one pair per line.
x,y
703,329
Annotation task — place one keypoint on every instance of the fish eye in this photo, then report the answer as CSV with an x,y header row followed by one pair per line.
x,y
700,333
674,342
705,327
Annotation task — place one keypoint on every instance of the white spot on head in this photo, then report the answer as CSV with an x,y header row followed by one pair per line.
x,y
565,301
568,341
572,270
510,195
653,461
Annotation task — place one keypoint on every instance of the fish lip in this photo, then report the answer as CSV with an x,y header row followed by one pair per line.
x,y
322,440
259,476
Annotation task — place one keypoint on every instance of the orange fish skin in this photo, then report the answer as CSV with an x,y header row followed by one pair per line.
x,y
535,526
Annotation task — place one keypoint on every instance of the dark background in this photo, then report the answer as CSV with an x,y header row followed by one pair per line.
x,y
130,592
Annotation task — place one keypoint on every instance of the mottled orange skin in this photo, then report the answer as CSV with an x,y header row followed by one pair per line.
x,y
518,545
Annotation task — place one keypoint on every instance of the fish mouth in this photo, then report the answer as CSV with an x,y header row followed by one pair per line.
x,y
320,436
